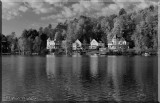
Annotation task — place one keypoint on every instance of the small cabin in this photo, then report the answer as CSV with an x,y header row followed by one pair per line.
x,y
94,44
117,44
77,45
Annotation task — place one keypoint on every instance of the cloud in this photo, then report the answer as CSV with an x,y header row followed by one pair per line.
x,y
62,9
137,4
23,8
13,8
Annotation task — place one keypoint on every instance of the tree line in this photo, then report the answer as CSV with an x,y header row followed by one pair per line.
x,y
138,28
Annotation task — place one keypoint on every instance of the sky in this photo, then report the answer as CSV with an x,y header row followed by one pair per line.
x,y
18,15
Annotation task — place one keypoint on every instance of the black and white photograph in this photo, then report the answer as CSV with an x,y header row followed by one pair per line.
x,y
80,51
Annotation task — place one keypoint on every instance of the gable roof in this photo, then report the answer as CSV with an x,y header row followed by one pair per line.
x,y
94,42
118,38
77,42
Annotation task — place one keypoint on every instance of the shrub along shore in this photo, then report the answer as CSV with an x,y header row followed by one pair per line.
x,y
130,52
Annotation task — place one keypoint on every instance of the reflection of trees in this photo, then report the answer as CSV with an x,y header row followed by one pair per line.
x,y
76,65
121,73
146,77
112,70
27,78
21,66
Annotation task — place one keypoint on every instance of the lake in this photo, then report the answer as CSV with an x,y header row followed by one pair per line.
x,y
83,78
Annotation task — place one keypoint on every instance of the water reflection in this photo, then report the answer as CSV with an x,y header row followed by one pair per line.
x,y
112,70
146,77
51,65
76,65
94,66
112,78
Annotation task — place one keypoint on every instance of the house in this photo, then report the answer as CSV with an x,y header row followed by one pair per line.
x,y
50,44
53,44
93,44
117,44
77,45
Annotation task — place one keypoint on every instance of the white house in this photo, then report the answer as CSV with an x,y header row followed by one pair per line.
x,y
50,44
93,44
117,44
77,45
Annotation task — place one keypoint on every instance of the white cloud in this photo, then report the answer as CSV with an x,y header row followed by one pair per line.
x,y
23,8
13,8
139,4
67,12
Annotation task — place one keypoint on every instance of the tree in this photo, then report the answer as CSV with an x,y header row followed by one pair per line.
x,y
25,33
141,37
37,44
12,41
122,11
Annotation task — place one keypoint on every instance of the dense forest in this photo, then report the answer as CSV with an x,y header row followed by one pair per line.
x,y
138,28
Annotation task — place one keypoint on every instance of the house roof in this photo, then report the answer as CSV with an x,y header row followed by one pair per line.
x,y
49,39
117,38
77,41
93,41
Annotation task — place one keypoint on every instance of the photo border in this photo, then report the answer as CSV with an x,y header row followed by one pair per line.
x,y
159,51
75,1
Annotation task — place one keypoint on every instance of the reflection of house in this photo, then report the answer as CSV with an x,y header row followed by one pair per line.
x,y
77,45
117,44
93,44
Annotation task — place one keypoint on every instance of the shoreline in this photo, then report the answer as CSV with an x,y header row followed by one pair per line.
x,y
89,54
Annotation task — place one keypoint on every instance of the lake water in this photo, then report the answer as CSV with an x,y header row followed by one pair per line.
x,y
62,78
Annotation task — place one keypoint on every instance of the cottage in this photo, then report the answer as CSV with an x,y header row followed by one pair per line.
x,y
50,44
77,45
117,44
93,44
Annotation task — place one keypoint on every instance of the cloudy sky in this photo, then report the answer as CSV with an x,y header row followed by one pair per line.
x,y
18,15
